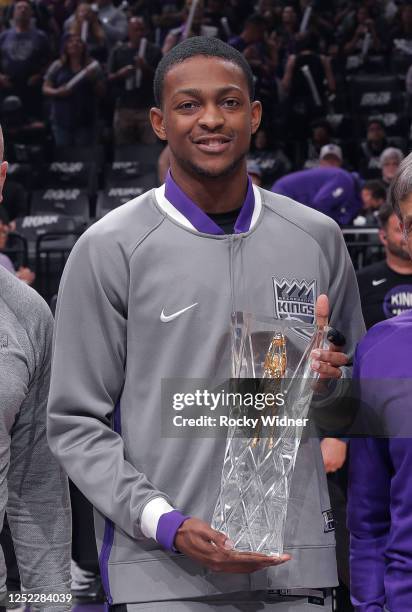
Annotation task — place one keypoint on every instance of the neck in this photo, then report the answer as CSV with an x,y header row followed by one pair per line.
x,y
213,195
22,27
397,264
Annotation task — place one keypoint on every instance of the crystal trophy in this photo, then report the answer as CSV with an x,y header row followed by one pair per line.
x,y
273,357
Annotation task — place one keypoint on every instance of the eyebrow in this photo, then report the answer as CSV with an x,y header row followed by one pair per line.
x,y
198,92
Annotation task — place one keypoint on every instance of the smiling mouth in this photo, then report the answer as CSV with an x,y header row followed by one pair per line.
x,y
213,145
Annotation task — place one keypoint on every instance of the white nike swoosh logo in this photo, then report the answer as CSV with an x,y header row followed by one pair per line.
x,y
167,318
375,283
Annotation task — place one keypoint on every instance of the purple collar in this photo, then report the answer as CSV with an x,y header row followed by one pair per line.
x,y
199,219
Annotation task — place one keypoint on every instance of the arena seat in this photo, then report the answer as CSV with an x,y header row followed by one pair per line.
x,y
71,202
70,174
147,154
128,173
33,226
116,196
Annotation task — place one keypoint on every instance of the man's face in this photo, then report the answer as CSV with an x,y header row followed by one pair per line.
x,y
22,12
369,202
207,117
376,133
393,238
390,168
406,222
330,161
321,136
289,15
136,29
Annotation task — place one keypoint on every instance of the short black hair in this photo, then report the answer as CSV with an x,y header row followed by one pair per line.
x,y
385,212
192,47
377,189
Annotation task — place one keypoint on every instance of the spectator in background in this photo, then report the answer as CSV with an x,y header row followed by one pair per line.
x,y
178,34
24,56
333,191
372,148
389,162
74,108
401,33
287,34
363,27
373,194
307,81
112,19
269,156
23,273
86,25
132,79
386,287
321,135
262,55
330,156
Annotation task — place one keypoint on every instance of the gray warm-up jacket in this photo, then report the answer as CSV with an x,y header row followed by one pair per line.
x,y
115,341
33,487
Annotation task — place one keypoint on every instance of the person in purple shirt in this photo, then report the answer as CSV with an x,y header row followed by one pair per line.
x,y
329,189
380,476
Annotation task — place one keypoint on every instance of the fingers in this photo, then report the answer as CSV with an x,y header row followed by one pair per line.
x,y
332,358
322,310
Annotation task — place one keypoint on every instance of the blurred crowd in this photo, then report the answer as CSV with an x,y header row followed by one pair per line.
x,y
77,73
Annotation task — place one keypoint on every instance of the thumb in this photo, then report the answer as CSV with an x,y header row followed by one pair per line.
x,y
322,310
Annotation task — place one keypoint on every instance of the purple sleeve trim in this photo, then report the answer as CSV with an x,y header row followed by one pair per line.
x,y
167,527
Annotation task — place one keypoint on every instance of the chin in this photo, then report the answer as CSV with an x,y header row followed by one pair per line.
x,y
215,171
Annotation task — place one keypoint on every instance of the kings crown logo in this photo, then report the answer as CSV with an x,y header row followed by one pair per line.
x,y
295,300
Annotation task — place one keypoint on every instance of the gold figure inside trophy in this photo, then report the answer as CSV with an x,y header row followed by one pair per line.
x,y
274,369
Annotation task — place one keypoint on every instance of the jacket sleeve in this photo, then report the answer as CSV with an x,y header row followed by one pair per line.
x,y
88,374
38,507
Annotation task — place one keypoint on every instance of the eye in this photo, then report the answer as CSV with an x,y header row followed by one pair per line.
x,y
231,103
188,105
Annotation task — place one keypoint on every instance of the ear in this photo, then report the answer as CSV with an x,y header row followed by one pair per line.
x,y
3,171
256,116
382,237
156,119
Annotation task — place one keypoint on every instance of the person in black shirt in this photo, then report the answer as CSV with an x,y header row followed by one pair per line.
x,y
132,77
386,287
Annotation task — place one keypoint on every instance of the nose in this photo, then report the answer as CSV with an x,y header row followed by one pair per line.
x,y
212,117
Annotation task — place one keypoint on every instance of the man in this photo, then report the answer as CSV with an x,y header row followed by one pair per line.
x,y
389,162
330,190
133,98
380,508
24,55
330,156
372,148
33,489
113,20
147,296
386,287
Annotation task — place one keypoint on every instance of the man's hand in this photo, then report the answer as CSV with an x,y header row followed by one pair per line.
x,y
125,72
333,453
327,362
26,275
214,550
